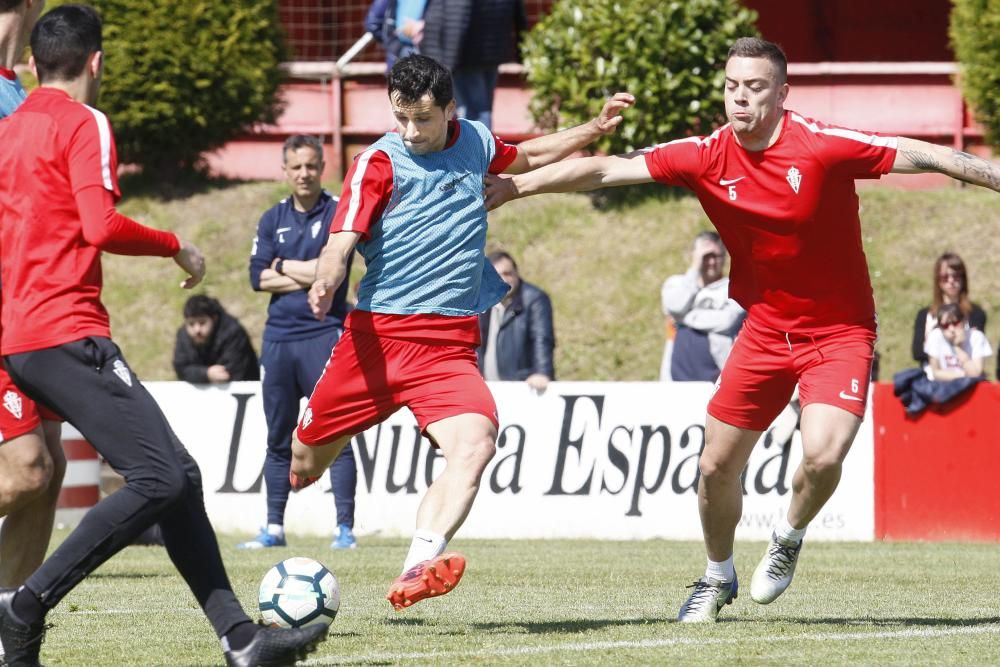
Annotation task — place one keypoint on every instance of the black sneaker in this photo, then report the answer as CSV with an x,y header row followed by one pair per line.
x,y
21,642
274,647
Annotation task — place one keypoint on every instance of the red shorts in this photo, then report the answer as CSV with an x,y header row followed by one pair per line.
x,y
369,377
832,367
19,414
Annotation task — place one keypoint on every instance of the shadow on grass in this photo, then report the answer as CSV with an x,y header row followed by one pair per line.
x,y
131,575
900,622
568,626
168,186
404,621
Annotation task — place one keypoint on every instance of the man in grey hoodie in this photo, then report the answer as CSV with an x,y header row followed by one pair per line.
x,y
706,319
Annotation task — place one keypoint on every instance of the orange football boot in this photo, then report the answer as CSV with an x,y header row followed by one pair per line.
x,y
428,579
299,483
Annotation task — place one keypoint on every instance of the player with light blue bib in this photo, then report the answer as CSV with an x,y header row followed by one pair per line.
x,y
412,204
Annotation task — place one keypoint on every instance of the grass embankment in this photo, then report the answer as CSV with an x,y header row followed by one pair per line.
x,y
603,268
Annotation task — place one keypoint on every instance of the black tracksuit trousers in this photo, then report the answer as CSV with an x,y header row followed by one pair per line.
x,y
90,385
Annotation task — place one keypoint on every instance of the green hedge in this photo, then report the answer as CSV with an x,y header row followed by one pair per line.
x,y
183,77
975,36
670,55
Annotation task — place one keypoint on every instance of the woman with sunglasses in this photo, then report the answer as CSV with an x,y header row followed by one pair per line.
x,y
955,349
951,286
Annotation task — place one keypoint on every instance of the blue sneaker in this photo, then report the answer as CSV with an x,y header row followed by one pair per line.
x,y
345,539
263,541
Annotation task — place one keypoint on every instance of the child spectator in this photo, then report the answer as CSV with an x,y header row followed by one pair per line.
x,y
951,285
955,349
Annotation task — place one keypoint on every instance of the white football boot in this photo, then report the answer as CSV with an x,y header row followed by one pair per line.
x,y
709,596
775,571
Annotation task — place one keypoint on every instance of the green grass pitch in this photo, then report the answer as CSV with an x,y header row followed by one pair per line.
x,y
567,602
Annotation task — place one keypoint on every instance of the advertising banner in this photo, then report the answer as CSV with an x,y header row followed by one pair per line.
x,y
583,460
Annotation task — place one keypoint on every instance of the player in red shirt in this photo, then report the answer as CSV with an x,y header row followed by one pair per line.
x,y
57,215
780,190
32,463
414,202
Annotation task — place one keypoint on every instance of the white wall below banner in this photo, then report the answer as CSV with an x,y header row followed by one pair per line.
x,y
585,459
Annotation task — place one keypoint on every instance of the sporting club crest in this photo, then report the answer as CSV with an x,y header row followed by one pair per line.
x,y
12,401
794,177
121,370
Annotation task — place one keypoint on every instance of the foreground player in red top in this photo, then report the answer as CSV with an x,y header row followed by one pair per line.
x,y
57,215
32,463
780,190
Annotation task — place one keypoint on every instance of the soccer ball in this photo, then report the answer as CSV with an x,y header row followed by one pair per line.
x,y
297,592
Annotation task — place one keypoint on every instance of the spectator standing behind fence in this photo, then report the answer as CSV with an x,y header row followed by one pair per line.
x,y
517,333
212,346
290,236
706,319
951,285
398,26
472,38
954,348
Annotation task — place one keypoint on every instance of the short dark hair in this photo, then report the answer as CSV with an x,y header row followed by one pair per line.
x,y
297,141
754,47
498,255
63,40
950,312
414,76
200,305
709,235
9,5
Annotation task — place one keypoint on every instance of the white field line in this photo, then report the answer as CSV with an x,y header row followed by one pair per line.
x,y
658,643
910,633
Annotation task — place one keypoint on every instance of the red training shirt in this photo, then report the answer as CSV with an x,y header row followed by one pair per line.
x,y
366,192
57,194
788,216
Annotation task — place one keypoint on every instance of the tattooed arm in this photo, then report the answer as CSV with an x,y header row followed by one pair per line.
x,y
914,157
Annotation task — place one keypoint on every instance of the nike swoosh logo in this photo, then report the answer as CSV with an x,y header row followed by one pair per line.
x,y
283,229
424,539
848,397
723,181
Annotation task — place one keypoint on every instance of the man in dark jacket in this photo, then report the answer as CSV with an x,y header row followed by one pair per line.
x,y
471,38
517,333
213,346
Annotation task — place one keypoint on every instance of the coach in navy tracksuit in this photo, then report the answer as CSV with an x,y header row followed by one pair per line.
x,y
296,346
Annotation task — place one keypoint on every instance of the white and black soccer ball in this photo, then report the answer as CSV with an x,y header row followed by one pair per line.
x,y
297,592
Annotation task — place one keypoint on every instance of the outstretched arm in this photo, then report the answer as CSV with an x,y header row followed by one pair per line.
x,y
550,148
331,269
914,157
588,173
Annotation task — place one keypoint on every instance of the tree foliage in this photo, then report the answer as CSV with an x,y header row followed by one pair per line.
x,y
182,78
670,55
975,37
